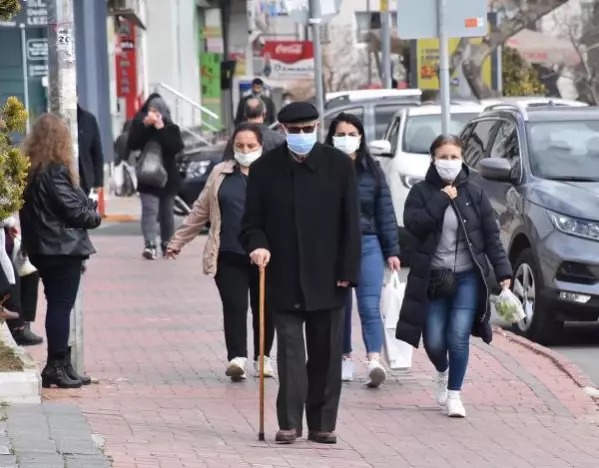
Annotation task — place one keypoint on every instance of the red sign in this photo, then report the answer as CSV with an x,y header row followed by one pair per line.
x,y
288,59
126,67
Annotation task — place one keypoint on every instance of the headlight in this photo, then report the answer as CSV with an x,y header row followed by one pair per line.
x,y
197,168
408,181
575,227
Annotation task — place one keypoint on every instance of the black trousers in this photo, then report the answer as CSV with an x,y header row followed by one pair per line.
x,y
235,275
61,276
317,382
26,296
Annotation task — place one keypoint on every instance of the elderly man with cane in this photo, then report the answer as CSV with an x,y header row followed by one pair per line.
x,y
301,227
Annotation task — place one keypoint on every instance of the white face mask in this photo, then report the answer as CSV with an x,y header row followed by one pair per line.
x,y
348,144
448,169
246,159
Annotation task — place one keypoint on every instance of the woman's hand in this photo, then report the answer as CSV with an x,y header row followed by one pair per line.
x,y
394,263
171,254
13,231
159,125
150,119
450,191
506,283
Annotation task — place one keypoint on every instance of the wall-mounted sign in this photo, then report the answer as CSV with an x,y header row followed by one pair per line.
x,y
126,66
288,59
37,49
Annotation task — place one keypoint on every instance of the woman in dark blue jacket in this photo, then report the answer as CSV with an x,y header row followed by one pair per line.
x,y
380,244
447,294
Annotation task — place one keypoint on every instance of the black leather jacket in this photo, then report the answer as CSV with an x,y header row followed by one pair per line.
x,y
56,215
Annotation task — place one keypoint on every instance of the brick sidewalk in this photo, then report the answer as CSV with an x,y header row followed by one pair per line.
x,y
154,339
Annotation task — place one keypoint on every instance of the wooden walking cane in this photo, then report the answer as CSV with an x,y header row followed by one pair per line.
x,y
261,321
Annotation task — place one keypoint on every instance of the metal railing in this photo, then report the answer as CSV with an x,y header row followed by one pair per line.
x,y
190,116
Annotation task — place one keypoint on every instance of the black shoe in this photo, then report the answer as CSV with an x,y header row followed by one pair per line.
x,y
164,248
150,252
84,379
25,337
55,374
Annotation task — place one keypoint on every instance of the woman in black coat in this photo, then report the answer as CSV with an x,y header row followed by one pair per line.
x,y
447,294
55,218
154,123
380,245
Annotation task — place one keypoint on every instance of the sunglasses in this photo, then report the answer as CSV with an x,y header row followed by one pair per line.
x,y
305,129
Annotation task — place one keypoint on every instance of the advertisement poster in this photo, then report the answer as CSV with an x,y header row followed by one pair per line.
x,y
126,67
427,60
284,60
210,81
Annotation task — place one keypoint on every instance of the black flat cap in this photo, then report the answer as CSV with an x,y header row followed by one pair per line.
x,y
296,112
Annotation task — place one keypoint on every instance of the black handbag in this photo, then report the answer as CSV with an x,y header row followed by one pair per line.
x,y
149,169
442,282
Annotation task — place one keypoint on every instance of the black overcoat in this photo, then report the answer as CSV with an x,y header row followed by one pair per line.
x,y
423,217
307,215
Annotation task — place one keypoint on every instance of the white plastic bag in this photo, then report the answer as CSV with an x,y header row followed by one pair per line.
x,y
398,353
508,307
124,180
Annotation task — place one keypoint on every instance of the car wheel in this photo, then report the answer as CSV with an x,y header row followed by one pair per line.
x,y
540,324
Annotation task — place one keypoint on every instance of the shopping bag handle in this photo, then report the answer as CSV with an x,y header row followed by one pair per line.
x,y
394,279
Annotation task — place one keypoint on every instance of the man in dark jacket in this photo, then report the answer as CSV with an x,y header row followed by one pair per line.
x,y
257,92
91,157
302,219
255,112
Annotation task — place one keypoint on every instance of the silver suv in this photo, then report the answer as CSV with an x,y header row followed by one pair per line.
x,y
540,167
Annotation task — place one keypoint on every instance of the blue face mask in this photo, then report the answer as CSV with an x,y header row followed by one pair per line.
x,y
301,143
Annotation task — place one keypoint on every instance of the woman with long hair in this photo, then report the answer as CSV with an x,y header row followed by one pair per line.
x,y
154,123
54,222
447,294
221,203
380,245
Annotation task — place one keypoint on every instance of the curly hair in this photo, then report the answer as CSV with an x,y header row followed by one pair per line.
x,y
49,141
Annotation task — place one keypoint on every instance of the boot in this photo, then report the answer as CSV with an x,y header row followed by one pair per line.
x,y
84,379
55,374
25,337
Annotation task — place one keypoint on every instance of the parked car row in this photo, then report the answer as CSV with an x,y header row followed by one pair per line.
x,y
538,160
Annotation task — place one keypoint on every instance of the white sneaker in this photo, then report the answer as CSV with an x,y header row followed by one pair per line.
x,y
347,369
455,408
236,369
376,373
441,395
268,369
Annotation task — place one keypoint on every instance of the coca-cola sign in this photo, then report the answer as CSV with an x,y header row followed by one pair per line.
x,y
288,51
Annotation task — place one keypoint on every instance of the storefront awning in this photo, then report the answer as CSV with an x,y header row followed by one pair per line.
x,y
544,49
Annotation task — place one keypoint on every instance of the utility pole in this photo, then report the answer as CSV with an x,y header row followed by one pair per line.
x,y
369,16
386,44
62,85
315,21
443,64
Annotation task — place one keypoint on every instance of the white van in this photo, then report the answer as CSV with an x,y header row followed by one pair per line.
x,y
403,153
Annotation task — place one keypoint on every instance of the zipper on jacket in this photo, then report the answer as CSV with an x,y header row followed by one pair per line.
x,y
474,259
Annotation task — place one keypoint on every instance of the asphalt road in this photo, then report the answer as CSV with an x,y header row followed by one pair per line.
x,y
580,342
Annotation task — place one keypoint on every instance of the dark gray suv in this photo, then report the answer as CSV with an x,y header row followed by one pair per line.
x,y
540,168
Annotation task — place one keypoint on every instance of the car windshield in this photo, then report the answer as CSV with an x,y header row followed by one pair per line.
x,y
421,130
565,150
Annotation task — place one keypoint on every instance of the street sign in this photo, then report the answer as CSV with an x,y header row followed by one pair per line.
x,y
299,10
37,49
417,19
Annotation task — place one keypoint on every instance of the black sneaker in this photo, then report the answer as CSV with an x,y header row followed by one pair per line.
x,y
25,337
150,252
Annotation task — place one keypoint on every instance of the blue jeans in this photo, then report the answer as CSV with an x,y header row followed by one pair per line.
x,y
447,328
368,294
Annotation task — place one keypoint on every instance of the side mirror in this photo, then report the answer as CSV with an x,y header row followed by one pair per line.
x,y
497,169
380,148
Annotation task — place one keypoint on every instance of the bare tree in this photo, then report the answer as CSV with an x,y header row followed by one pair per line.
x,y
519,14
344,65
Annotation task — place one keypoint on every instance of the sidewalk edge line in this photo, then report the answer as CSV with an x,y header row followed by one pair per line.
x,y
120,218
562,363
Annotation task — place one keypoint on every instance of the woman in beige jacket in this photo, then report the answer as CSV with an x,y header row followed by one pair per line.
x,y
221,203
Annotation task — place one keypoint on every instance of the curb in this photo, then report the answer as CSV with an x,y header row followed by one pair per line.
x,y
120,218
562,363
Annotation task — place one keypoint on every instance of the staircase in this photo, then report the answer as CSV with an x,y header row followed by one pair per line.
x,y
199,126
